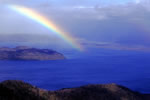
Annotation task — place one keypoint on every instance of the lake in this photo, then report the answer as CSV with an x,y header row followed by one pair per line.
x,y
127,70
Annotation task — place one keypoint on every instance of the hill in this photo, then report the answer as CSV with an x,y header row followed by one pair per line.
x,y
19,90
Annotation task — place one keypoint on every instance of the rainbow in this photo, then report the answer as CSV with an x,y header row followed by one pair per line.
x,y
47,23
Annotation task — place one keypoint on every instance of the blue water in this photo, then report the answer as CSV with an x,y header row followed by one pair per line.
x,y
130,71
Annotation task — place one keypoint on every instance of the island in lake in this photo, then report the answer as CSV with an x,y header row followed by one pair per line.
x,y
28,53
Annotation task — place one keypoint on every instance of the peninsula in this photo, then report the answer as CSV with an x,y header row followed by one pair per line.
x,y
28,53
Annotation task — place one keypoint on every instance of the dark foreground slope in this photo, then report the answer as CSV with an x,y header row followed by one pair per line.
x,y
18,90
27,53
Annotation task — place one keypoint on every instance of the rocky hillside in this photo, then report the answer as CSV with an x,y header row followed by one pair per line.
x,y
27,53
18,90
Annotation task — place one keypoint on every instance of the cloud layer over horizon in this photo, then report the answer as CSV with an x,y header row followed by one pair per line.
x,y
119,22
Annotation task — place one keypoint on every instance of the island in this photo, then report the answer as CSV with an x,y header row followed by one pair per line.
x,y
19,90
29,53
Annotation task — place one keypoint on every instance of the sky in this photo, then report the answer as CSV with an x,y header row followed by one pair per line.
x,y
113,24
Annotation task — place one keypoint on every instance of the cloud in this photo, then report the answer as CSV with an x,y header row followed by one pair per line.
x,y
113,26
114,46
100,11
12,2
137,1
34,40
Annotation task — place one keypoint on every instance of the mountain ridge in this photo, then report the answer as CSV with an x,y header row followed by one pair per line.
x,y
19,90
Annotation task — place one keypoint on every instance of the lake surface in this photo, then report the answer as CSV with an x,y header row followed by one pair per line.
x,y
130,71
